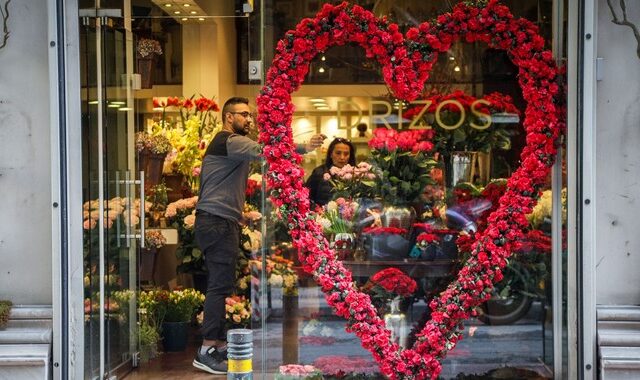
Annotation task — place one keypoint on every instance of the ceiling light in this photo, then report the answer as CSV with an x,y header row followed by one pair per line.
x,y
93,102
323,108
168,5
125,109
452,58
317,100
184,19
456,69
176,12
193,12
200,18
113,106
118,102
186,5
321,70
323,58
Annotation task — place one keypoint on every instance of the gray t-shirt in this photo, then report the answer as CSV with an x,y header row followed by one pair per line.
x,y
223,178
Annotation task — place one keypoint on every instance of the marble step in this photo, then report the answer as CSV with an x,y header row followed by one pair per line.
x,y
619,363
25,361
618,338
618,313
31,312
26,331
623,326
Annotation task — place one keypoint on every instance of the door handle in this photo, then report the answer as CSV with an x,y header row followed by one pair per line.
x,y
142,216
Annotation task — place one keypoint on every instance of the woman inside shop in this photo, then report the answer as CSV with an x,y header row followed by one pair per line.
x,y
340,153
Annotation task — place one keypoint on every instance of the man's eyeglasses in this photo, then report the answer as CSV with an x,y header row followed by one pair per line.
x,y
244,114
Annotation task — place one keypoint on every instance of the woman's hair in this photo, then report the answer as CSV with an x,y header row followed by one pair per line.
x,y
339,140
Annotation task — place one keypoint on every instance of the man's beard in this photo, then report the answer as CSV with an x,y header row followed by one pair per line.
x,y
241,130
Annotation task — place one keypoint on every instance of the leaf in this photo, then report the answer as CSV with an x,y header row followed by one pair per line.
x,y
196,253
459,136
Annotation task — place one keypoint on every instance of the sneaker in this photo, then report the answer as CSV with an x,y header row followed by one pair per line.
x,y
212,361
222,353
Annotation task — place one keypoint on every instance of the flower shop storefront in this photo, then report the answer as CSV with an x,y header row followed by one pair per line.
x,y
432,247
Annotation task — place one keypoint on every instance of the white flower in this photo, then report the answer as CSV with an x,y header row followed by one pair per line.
x,y
324,222
276,280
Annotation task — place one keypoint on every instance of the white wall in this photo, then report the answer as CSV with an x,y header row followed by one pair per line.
x,y
25,177
618,160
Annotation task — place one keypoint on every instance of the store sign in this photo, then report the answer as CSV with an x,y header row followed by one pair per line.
x,y
418,121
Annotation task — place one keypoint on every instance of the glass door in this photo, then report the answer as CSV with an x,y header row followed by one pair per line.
x,y
112,210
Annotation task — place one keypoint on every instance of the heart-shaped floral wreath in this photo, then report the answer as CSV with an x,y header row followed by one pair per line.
x,y
406,62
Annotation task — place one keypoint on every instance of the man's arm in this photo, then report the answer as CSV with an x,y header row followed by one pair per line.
x,y
243,148
314,143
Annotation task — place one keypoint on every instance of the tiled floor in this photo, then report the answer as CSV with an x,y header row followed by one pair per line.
x,y
323,337
172,366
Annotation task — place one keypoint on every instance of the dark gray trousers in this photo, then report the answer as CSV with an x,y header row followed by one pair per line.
x,y
219,241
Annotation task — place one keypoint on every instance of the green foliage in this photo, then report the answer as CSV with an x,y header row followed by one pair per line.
x,y
403,175
177,305
467,138
5,311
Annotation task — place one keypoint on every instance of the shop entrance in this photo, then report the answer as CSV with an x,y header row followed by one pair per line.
x,y
112,209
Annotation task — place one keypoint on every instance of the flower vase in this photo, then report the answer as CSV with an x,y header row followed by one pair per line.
x,y
174,183
145,69
175,336
290,321
147,265
396,322
153,169
344,243
459,168
484,167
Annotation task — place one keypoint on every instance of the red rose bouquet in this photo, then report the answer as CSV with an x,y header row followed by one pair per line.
x,y
388,284
402,162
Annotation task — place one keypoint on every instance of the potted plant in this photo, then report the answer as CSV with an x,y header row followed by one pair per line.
x,y
190,130
147,50
153,240
338,222
175,310
152,150
403,164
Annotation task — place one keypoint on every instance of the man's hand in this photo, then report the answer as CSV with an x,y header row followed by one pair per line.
x,y
315,142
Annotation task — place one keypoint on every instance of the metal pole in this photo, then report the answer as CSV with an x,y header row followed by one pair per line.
x,y
240,354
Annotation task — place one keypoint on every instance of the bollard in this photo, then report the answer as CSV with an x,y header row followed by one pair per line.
x,y
240,354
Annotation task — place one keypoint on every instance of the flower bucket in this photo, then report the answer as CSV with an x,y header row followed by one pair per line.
x,y
175,336
386,246
174,183
147,264
393,240
151,164
459,167
145,69
290,321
